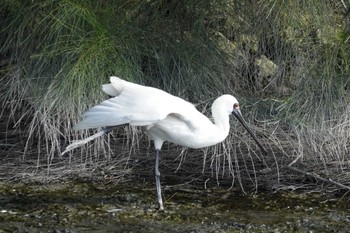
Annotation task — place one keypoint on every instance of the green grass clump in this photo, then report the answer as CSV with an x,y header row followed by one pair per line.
x,y
286,61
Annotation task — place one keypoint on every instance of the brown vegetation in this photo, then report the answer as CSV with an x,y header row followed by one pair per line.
x,y
286,61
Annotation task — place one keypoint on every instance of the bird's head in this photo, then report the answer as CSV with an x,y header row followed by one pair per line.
x,y
231,105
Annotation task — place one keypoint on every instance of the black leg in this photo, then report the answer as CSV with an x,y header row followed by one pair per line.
x,y
107,129
157,176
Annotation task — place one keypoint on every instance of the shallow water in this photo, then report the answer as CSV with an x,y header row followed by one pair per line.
x,y
93,207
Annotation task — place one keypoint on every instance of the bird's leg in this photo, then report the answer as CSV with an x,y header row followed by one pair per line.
x,y
107,129
76,144
157,176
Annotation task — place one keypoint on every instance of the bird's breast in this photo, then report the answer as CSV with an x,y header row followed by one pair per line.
x,y
179,132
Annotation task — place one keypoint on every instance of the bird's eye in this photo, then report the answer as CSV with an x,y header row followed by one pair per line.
x,y
235,106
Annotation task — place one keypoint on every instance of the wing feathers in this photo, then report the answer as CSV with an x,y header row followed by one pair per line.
x,y
110,90
134,104
114,88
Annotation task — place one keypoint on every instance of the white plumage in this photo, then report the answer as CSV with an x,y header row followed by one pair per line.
x,y
164,116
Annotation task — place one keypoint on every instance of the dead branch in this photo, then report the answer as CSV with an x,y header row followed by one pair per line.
x,y
317,177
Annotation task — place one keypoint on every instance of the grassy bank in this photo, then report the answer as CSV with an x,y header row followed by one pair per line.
x,y
287,62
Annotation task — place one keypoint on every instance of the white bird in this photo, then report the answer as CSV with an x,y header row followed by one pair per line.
x,y
165,117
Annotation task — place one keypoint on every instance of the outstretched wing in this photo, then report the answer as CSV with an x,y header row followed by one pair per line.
x,y
135,105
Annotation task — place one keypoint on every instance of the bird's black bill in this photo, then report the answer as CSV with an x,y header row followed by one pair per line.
x,y
239,117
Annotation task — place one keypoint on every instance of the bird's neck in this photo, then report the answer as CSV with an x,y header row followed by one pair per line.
x,y
222,122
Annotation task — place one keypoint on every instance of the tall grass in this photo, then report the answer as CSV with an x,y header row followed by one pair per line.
x,y
320,97
56,54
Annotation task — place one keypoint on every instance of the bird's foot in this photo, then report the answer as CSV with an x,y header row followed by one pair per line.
x,y
107,129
